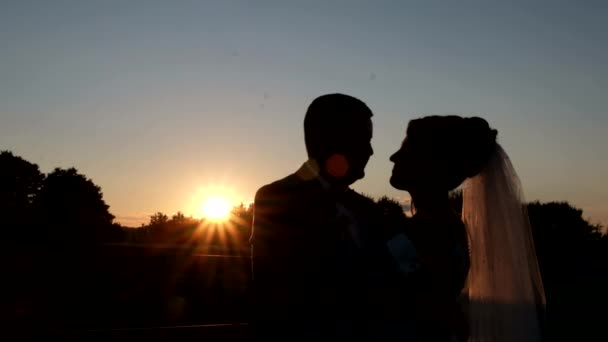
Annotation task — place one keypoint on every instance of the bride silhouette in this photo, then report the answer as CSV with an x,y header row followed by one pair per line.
x,y
481,280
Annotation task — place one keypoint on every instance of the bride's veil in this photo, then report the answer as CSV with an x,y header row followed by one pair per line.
x,y
505,290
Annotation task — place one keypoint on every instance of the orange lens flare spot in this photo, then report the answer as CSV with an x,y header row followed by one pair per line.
x,y
337,166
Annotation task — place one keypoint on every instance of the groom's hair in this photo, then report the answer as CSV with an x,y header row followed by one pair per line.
x,y
329,119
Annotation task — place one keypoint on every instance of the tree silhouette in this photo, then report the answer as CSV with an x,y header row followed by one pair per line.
x,y
573,261
70,207
563,238
158,219
20,182
394,218
241,217
390,206
178,217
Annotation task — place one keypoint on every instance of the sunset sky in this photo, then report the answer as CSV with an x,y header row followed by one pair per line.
x,y
162,103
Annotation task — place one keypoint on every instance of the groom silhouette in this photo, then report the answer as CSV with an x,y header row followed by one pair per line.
x,y
312,235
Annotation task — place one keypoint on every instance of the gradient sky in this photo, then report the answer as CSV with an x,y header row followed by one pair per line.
x,y
163,102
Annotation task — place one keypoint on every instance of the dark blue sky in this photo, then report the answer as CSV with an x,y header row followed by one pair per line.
x,y
164,102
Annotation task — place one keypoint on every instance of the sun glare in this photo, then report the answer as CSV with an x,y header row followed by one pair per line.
x,y
216,209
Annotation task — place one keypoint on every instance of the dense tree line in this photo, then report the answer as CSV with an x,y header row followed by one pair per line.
x,y
65,207
181,230
58,208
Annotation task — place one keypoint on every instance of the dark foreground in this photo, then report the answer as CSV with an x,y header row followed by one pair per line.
x,y
210,332
130,292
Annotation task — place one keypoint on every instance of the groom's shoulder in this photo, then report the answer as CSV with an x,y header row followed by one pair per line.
x,y
277,190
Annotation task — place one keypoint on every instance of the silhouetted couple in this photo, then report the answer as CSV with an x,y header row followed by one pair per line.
x,y
328,264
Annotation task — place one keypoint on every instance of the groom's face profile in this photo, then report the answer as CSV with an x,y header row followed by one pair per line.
x,y
348,153
352,150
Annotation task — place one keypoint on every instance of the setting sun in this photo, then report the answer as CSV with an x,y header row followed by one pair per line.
x,y
216,209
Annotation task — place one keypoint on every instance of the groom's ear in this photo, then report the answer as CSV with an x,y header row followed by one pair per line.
x,y
336,165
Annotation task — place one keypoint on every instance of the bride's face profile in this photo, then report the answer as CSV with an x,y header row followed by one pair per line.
x,y
417,169
440,152
410,169
399,160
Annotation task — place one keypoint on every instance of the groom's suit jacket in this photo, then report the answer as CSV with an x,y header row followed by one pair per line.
x,y
316,259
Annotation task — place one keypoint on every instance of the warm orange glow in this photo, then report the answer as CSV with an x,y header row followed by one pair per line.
x,y
216,209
